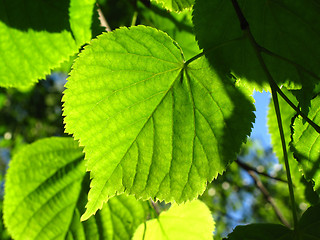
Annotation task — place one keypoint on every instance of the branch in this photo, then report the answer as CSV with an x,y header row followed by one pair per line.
x,y
268,197
102,19
249,168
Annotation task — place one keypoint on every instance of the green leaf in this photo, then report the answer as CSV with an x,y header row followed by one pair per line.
x,y
261,232
46,191
175,5
307,229
151,125
177,25
192,220
40,36
289,29
306,143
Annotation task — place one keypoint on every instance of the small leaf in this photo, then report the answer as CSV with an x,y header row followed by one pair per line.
x,y
175,5
37,36
45,195
289,29
192,220
151,126
261,232
306,143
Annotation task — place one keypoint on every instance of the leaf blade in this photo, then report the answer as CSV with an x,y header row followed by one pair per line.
x,y
141,134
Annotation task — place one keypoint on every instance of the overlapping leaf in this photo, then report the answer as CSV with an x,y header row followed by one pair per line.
x,y
175,5
45,195
189,221
177,25
287,115
306,230
306,144
39,36
151,125
289,30
261,232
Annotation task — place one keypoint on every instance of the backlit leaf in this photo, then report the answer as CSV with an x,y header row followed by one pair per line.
x,y
40,36
189,221
175,5
45,195
152,126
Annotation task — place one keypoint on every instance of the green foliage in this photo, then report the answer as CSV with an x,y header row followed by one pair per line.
x,y
172,223
261,232
175,5
39,35
176,25
47,202
306,229
287,31
158,119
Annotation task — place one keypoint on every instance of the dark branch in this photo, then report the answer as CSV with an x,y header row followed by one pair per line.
x,y
268,197
249,168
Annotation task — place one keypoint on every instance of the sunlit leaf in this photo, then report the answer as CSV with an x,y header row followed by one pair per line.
x,y
187,221
46,191
175,5
152,126
37,36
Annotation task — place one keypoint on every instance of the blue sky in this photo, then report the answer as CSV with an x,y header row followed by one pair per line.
x,y
260,129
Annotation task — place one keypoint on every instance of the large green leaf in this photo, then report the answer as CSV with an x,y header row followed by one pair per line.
x,y
306,143
46,191
177,25
289,29
36,36
175,5
189,221
151,125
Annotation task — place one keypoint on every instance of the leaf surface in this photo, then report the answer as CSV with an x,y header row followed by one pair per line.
x,y
290,30
175,5
152,126
189,221
40,36
45,195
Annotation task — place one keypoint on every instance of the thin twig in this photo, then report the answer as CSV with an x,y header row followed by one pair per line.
x,y
248,167
268,197
102,19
